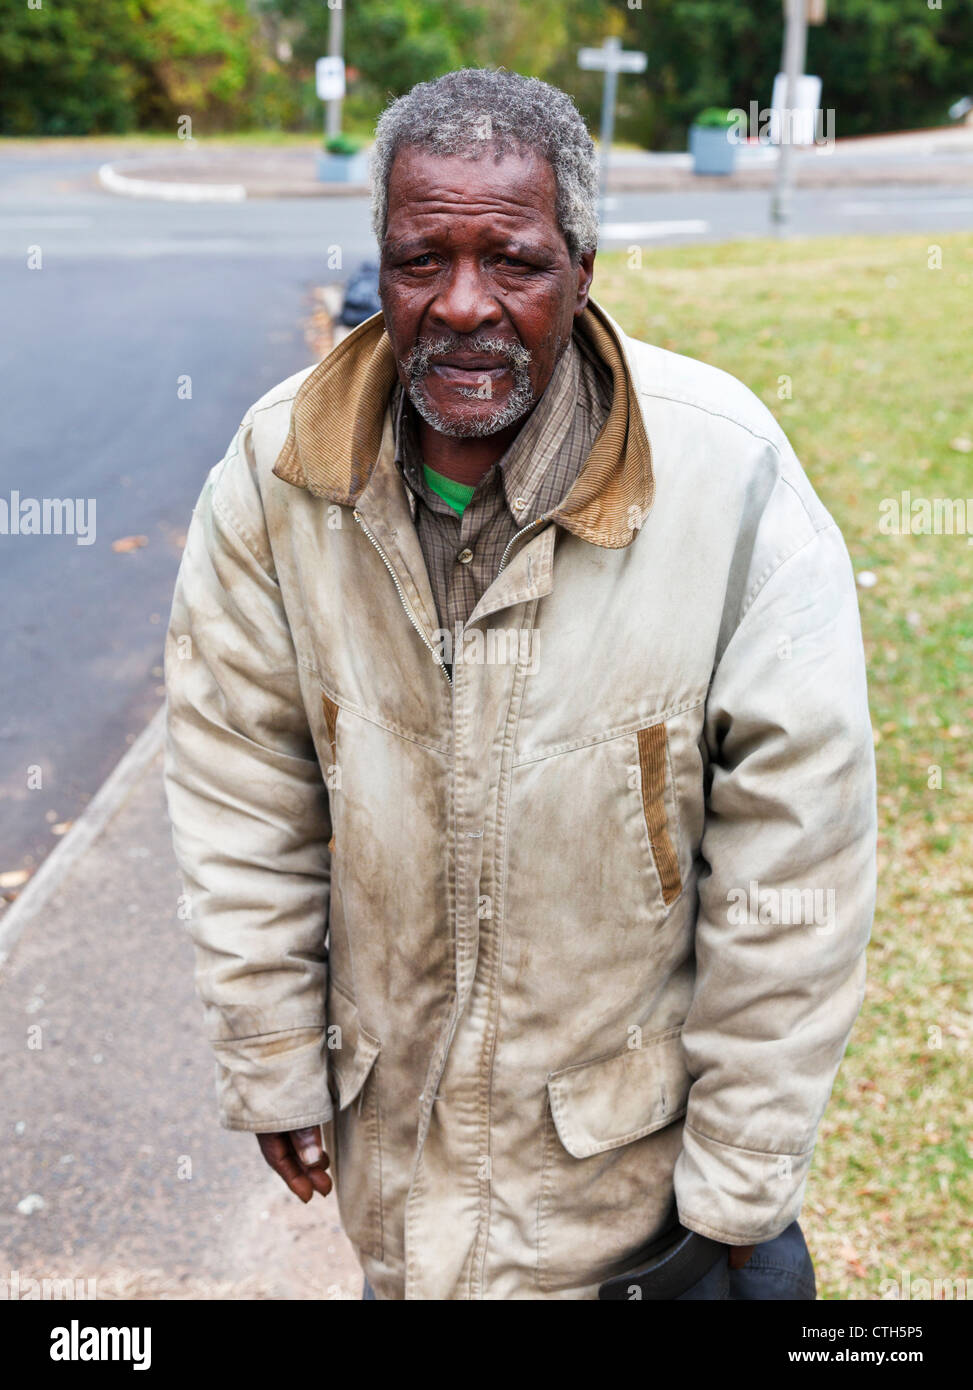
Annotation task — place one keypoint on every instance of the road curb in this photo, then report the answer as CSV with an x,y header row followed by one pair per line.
x,y
115,182
101,809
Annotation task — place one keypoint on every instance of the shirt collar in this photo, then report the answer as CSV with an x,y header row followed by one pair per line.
x,y
529,487
530,484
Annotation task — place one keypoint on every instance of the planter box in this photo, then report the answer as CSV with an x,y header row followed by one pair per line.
x,y
343,168
711,150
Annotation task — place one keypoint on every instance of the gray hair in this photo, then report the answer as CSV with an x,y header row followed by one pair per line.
x,y
474,108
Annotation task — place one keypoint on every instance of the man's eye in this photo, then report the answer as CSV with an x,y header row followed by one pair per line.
x,y
421,261
513,261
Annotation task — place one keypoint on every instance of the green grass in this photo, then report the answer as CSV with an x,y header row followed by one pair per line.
x,y
876,347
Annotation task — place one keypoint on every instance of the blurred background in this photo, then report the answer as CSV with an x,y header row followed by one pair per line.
x,y
184,222
126,66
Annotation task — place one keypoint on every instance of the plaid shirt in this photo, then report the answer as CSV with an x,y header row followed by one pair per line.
x,y
463,553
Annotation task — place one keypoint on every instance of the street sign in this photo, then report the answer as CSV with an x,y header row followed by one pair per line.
x,y
799,124
329,78
612,59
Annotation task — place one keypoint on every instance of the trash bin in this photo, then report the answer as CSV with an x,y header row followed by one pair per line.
x,y
361,299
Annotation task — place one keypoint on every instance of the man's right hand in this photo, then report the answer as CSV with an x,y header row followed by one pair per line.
x,y
298,1156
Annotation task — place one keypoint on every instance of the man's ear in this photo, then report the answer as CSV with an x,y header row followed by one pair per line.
x,y
586,270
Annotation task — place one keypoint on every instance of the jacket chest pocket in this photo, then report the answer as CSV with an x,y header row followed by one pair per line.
x,y
610,1147
355,1129
332,772
654,778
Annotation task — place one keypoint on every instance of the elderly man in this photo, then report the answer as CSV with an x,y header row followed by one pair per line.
x,y
519,761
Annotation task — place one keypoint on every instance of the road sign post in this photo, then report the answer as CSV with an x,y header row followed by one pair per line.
x,y
332,71
611,59
792,65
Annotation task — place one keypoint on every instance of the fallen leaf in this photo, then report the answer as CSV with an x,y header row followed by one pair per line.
x,y
851,1258
129,543
13,878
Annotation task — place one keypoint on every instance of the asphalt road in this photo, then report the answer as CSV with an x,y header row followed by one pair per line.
x,y
130,297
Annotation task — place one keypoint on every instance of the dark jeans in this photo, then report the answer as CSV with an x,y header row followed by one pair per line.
x,y
779,1269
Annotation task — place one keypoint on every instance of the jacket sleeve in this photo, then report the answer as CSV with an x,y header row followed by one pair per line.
x,y
249,812
786,899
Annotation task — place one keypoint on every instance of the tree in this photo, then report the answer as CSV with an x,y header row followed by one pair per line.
x,y
73,68
884,64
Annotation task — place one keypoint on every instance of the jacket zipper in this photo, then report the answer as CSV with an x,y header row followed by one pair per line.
x,y
405,604
530,527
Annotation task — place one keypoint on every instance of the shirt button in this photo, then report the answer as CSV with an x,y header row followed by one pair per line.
x,y
519,504
465,556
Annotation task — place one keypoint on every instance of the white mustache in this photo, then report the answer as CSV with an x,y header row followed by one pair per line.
x,y
420,357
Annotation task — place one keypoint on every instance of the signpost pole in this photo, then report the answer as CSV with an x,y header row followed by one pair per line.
x,y
609,91
332,108
795,48
610,59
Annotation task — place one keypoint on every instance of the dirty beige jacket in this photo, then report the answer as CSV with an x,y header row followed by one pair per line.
x,y
573,942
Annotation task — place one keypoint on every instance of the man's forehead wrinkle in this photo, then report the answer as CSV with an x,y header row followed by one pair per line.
x,y
519,184
489,221
487,226
448,203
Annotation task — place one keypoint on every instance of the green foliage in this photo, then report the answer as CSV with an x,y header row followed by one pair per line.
x,y
90,66
62,76
342,144
884,64
75,67
714,118
391,44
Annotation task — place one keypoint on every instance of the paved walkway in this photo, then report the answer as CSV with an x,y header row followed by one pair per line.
x,y
114,1166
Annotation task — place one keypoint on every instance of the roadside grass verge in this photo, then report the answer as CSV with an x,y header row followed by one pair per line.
x,y
861,348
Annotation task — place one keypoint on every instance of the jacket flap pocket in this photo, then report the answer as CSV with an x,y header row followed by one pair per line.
x,y
352,1049
612,1101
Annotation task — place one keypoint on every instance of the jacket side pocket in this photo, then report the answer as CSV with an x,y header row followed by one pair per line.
x,y
331,721
610,1147
652,767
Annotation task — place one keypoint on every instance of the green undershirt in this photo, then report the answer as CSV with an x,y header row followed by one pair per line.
x,y
455,494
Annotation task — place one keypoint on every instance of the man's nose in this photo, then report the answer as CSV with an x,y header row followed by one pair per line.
x,y
466,302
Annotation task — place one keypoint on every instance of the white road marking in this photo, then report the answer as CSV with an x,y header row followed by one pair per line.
x,y
144,249
924,204
45,223
635,231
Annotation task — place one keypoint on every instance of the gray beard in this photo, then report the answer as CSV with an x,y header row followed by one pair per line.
x,y
519,400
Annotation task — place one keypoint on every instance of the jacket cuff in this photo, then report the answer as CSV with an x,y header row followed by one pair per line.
x,y
273,1082
737,1196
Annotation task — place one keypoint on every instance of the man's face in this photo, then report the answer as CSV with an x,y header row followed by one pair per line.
x,y
477,286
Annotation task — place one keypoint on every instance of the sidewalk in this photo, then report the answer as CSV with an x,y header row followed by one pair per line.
x,y
193,171
115,1168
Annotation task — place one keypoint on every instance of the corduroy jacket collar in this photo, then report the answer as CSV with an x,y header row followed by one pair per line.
x,y
346,397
